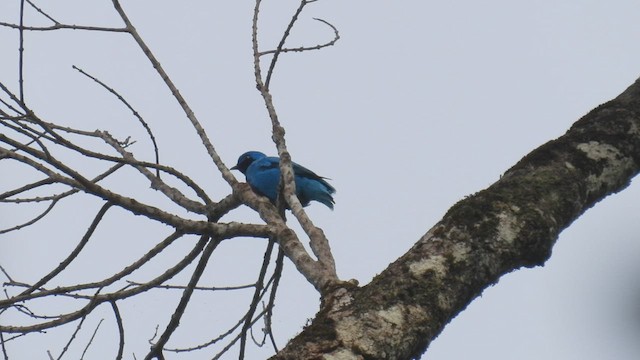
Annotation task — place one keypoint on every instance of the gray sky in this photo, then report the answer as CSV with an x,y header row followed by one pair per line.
x,y
418,105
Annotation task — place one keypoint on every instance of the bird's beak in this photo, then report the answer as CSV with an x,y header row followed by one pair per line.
x,y
235,167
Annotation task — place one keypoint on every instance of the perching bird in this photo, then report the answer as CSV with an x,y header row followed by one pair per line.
x,y
263,175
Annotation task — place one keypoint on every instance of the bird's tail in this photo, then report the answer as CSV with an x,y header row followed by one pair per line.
x,y
326,198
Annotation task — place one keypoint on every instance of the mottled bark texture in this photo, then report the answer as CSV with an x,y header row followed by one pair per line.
x,y
513,223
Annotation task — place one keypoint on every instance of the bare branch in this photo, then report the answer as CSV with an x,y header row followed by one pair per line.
x,y
221,230
325,271
28,295
14,98
256,296
235,340
135,113
35,136
212,341
72,337
42,12
278,50
118,317
74,253
226,173
308,48
277,274
53,198
156,349
128,160
5,355
98,299
156,183
249,314
25,188
59,26
202,288
91,339
6,274
33,220
21,53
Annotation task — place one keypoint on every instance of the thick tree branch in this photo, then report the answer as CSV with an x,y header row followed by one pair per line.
x,y
512,224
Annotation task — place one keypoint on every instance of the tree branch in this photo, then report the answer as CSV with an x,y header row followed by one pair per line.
x,y
156,349
512,224
226,173
324,271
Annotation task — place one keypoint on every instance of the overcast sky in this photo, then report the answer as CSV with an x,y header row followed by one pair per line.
x,y
418,105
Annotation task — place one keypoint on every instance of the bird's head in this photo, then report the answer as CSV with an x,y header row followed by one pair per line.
x,y
246,159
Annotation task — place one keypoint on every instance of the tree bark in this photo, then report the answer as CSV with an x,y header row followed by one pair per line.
x,y
512,224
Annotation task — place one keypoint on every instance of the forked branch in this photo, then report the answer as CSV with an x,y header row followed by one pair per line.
x,y
325,268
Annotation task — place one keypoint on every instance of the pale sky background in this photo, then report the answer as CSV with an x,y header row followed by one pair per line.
x,y
418,105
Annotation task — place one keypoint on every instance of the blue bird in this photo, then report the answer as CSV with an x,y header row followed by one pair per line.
x,y
263,175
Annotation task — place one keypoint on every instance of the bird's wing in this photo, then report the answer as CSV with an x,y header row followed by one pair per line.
x,y
274,162
302,171
271,162
267,163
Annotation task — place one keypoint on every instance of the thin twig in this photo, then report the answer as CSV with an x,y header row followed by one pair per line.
x,y
230,330
308,48
277,274
210,342
235,340
96,300
278,50
116,312
156,349
59,26
73,337
85,239
33,220
134,111
21,53
204,138
170,192
220,230
91,339
36,137
6,273
129,160
42,12
14,98
101,284
25,188
202,288
55,199
256,296
4,348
